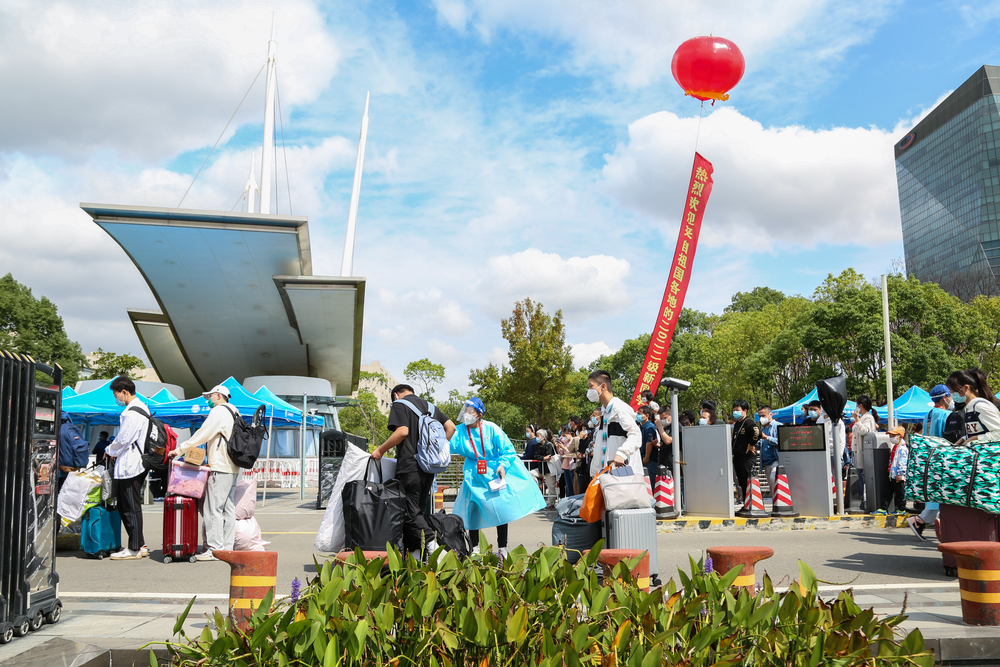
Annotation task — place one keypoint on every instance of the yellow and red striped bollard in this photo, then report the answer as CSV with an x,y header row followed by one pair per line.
x,y
252,575
978,579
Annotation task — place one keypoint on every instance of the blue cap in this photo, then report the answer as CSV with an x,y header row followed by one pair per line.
x,y
476,403
940,391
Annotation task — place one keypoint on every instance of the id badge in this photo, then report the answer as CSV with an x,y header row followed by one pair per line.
x,y
481,466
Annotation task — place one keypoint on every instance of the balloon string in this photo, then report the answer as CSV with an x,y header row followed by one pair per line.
x,y
697,133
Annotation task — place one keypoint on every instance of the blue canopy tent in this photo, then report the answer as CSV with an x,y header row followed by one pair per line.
x,y
265,394
69,392
163,396
785,414
192,412
910,408
97,406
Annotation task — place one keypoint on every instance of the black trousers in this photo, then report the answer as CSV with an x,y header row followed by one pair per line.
x,y
743,467
502,534
416,531
130,508
898,496
158,483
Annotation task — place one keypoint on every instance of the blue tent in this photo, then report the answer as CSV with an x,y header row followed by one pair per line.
x,y
97,406
268,396
911,407
784,415
163,396
192,412
69,392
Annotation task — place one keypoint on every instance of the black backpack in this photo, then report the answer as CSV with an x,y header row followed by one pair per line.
x,y
954,427
246,439
155,449
451,533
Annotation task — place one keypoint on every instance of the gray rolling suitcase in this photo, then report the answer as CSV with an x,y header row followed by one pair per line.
x,y
634,529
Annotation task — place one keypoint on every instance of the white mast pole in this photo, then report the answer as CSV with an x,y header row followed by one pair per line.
x,y
347,267
251,187
268,154
888,348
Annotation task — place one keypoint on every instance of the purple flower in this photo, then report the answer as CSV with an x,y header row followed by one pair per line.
x,y
296,586
709,566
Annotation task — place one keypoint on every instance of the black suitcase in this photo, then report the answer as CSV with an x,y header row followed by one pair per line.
x,y
373,512
576,535
963,524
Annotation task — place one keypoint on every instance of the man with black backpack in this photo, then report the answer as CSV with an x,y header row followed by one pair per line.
x,y
219,506
126,450
404,422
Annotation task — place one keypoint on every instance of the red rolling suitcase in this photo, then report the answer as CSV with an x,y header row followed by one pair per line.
x,y
964,524
180,528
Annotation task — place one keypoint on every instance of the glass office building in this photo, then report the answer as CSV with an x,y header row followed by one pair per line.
x,y
948,174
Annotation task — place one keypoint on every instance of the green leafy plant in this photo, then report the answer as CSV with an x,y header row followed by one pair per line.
x,y
538,609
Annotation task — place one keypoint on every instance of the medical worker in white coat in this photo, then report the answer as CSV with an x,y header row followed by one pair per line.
x,y
497,488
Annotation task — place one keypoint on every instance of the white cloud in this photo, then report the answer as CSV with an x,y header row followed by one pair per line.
x,y
445,354
581,287
773,185
148,79
426,311
585,353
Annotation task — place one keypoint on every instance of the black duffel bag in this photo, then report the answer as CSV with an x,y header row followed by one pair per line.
x,y
373,512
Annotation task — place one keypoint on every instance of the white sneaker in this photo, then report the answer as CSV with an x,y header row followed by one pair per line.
x,y
432,546
144,552
126,554
207,555
502,552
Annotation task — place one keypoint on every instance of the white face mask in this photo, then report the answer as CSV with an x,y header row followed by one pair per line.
x,y
895,439
592,395
703,422
470,418
765,420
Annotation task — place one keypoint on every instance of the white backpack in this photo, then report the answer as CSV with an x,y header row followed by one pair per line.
x,y
433,448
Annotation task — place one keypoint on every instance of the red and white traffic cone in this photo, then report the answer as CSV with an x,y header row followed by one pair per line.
x,y
664,495
782,496
753,505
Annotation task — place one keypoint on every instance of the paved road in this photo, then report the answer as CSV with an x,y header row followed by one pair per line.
x,y
866,557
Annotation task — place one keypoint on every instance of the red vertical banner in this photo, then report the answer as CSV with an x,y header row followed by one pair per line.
x,y
695,200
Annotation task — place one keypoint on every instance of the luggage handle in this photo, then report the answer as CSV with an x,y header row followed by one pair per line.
x,y
378,466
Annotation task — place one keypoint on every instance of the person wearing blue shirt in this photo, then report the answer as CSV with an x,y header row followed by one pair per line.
x,y
768,443
933,426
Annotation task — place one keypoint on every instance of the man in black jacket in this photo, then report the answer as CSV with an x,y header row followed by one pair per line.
x,y
746,435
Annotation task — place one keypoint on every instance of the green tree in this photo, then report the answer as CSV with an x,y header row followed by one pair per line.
x,y
33,326
624,365
109,365
364,419
538,381
426,374
756,299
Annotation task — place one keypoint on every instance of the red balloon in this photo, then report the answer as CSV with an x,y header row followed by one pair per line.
x,y
708,67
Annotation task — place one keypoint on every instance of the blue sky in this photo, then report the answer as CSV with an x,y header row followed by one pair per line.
x,y
515,149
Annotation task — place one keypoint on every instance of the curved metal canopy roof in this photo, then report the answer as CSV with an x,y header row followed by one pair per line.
x,y
236,297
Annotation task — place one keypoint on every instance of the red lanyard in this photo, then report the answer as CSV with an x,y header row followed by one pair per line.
x,y
473,440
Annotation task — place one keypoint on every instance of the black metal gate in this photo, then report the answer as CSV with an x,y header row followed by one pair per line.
x,y
29,448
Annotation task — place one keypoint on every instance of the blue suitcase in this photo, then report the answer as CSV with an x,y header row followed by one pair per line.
x,y
101,532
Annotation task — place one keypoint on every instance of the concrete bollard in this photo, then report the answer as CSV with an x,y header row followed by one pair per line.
x,y
252,575
611,557
978,579
726,558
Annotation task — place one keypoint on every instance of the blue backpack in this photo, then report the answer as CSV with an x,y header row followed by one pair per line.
x,y
433,448
74,451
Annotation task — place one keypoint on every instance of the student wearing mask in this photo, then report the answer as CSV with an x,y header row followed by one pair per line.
x,y
531,444
746,435
897,472
497,489
567,452
126,450
812,413
650,443
972,393
768,443
619,439
934,424
708,414
585,451
545,453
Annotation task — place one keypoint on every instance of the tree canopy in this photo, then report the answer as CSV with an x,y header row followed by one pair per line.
x,y
425,374
33,326
109,365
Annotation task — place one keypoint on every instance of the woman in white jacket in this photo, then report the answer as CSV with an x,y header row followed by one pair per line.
x,y
865,422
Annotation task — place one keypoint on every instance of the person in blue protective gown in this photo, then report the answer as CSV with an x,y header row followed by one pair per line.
x,y
497,488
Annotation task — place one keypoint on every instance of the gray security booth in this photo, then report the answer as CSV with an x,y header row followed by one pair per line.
x,y
805,454
708,471
875,463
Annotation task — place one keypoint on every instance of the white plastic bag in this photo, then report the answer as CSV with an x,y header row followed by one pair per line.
x,y
73,494
330,537
247,536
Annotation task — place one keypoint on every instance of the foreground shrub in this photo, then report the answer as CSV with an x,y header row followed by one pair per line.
x,y
538,609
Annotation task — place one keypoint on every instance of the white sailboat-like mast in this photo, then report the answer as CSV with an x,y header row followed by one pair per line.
x,y
347,266
267,156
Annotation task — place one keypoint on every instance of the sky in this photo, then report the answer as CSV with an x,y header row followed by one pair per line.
x,y
515,149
